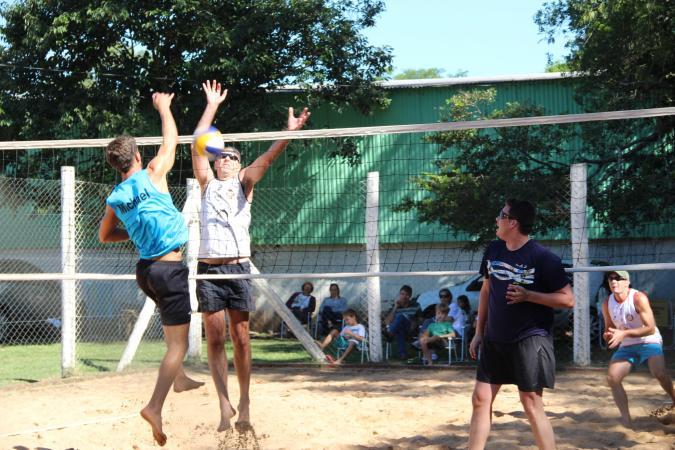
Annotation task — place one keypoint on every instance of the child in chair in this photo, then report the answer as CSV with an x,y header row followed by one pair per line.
x,y
437,333
353,334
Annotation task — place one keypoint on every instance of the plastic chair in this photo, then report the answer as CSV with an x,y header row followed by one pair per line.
x,y
362,347
308,325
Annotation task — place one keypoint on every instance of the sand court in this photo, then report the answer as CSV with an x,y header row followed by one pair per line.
x,y
312,408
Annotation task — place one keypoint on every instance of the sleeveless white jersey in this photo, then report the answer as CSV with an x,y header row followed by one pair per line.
x,y
224,220
625,317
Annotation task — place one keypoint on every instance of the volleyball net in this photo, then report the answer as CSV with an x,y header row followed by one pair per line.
x,y
362,208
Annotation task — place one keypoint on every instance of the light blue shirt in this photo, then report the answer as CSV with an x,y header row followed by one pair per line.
x,y
154,224
337,305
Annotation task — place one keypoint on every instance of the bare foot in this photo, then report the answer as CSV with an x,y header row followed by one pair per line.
x,y
186,384
244,418
626,422
225,418
155,422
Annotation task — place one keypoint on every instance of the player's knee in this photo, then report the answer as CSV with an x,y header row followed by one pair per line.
x,y
240,337
480,399
614,379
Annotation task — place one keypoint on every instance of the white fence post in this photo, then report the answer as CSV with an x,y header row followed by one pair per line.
x,y
68,261
191,215
579,225
373,265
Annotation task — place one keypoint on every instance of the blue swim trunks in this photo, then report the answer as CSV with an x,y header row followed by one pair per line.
x,y
637,354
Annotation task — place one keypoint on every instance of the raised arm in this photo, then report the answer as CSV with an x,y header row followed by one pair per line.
x,y
254,173
108,231
166,155
215,95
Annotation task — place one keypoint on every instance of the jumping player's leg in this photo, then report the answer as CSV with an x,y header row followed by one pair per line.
x,y
184,383
657,366
533,405
617,371
214,324
176,338
241,341
483,397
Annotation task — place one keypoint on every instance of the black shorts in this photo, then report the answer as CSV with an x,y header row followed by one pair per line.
x,y
166,282
217,295
529,363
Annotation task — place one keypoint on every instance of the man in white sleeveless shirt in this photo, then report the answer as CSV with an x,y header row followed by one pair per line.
x,y
630,325
225,249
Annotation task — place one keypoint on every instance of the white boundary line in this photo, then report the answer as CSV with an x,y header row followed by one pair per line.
x,y
328,275
362,131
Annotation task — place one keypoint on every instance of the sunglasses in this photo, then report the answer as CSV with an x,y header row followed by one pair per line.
x,y
615,278
502,215
232,156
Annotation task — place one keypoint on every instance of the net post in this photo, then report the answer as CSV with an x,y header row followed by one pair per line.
x,y
373,265
68,261
191,216
137,334
579,233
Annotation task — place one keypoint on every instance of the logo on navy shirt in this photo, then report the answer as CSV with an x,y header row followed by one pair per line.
x,y
518,274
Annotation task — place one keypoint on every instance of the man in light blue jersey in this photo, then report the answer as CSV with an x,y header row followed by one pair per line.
x,y
151,221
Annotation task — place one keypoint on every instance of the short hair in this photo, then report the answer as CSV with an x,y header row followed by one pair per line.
x,y
349,312
445,290
336,287
311,286
120,153
407,289
442,308
524,212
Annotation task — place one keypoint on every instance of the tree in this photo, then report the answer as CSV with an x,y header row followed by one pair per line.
x,y
465,193
87,69
432,72
621,57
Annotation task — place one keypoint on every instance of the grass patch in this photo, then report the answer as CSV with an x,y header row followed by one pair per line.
x,y
32,363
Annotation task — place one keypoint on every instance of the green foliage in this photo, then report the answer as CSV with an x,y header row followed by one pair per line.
x,y
625,51
557,66
484,167
432,72
73,69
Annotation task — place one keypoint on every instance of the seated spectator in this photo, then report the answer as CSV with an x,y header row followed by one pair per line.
x,y
437,334
352,335
330,312
460,312
302,304
401,320
444,298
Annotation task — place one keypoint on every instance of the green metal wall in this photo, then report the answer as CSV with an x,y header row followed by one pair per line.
x,y
331,210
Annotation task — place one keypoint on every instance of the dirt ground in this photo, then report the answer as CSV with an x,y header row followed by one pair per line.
x,y
312,408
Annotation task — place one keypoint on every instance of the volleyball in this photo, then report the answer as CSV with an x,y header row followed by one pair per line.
x,y
209,143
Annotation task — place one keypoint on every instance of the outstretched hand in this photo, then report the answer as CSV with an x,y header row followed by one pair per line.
x,y
295,123
161,100
215,95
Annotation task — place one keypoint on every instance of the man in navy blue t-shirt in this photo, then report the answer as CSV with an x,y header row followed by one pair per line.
x,y
523,283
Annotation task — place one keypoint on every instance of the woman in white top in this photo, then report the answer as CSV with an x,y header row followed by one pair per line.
x,y
630,325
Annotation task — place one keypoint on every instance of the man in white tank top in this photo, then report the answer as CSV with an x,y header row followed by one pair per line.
x,y
225,249
630,325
